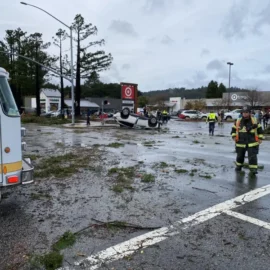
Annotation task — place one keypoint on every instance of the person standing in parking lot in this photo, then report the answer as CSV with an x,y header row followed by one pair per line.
x,y
88,118
222,116
158,114
164,116
265,120
211,119
248,135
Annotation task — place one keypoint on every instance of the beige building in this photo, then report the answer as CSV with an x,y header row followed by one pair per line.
x,y
229,101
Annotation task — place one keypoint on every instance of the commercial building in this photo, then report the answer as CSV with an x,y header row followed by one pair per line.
x,y
50,100
234,100
85,106
115,104
255,99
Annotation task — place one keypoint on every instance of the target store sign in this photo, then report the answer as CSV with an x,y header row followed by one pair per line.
x,y
128,92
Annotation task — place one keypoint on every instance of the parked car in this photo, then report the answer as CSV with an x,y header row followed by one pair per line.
x,y
174,113
232,114
192,114
46,114
56,113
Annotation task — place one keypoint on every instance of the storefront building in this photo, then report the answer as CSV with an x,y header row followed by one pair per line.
x,y
50,100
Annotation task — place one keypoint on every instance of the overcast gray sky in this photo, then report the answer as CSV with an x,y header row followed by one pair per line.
x,y
164,43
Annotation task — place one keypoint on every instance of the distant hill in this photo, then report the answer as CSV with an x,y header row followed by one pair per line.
x,y
194,93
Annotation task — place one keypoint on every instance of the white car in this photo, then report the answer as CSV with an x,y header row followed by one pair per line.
x,y
56,113
127,119
232,114
192,114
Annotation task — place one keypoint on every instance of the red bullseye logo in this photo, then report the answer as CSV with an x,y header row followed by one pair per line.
x,y
128,92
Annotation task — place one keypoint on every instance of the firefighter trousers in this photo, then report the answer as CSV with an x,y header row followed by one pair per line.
x,y
252,156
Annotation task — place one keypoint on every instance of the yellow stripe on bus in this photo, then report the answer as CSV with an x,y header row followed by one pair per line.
x,y
11,167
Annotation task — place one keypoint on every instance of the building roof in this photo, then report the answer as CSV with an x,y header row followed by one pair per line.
x,y
84,103
115,103
51,92
169,104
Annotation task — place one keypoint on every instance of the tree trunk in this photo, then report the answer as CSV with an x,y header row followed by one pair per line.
x,y
78,80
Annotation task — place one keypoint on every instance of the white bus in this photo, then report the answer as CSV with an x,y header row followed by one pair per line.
x,y
14,169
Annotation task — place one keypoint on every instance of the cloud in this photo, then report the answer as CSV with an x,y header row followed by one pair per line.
x,y
215,65
123,27
167,40
204,52
112,75
197,80
263,18
235,23
267,69
223,74
155,5
187,40
126,66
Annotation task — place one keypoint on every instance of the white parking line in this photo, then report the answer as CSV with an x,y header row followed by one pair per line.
x,y
129,247
252,220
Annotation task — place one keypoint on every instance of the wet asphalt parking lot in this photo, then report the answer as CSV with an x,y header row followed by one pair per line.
x,y
195,213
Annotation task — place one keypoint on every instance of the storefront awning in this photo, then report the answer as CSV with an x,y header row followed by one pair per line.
x,y
83,104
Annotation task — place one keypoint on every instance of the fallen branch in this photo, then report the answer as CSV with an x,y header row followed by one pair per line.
x,y
204,190
119,224
122,224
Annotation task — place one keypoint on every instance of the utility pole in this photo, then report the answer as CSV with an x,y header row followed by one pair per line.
x,y
230,65
37,81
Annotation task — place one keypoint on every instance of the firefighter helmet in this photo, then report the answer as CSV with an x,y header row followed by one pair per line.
x,y
246,109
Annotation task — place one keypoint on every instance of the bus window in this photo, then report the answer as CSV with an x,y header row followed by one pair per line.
x,y
6,98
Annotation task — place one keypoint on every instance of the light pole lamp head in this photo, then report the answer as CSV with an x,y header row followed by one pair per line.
x,y
229,63
23,3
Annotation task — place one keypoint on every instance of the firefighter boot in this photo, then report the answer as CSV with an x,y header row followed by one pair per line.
x,y
253,171
238,168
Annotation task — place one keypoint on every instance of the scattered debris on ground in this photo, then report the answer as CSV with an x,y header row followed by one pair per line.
x,y
116,145
124,178
67,164
148,178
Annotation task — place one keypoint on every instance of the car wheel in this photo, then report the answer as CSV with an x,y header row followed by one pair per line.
x,y
187,117
125,113
204,118
228,118
152,122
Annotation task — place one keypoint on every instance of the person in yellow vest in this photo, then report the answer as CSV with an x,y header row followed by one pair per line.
x,y
248,135
164,116
211,119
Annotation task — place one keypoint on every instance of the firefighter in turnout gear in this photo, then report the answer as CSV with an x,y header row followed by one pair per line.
x,y
248,135
211,119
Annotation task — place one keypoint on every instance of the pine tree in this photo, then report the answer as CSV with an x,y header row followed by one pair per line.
x,y
87,62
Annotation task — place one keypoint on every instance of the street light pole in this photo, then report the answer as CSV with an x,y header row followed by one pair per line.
x,y
230,65
71,56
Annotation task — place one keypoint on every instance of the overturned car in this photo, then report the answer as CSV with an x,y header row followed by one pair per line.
x,y
127,119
